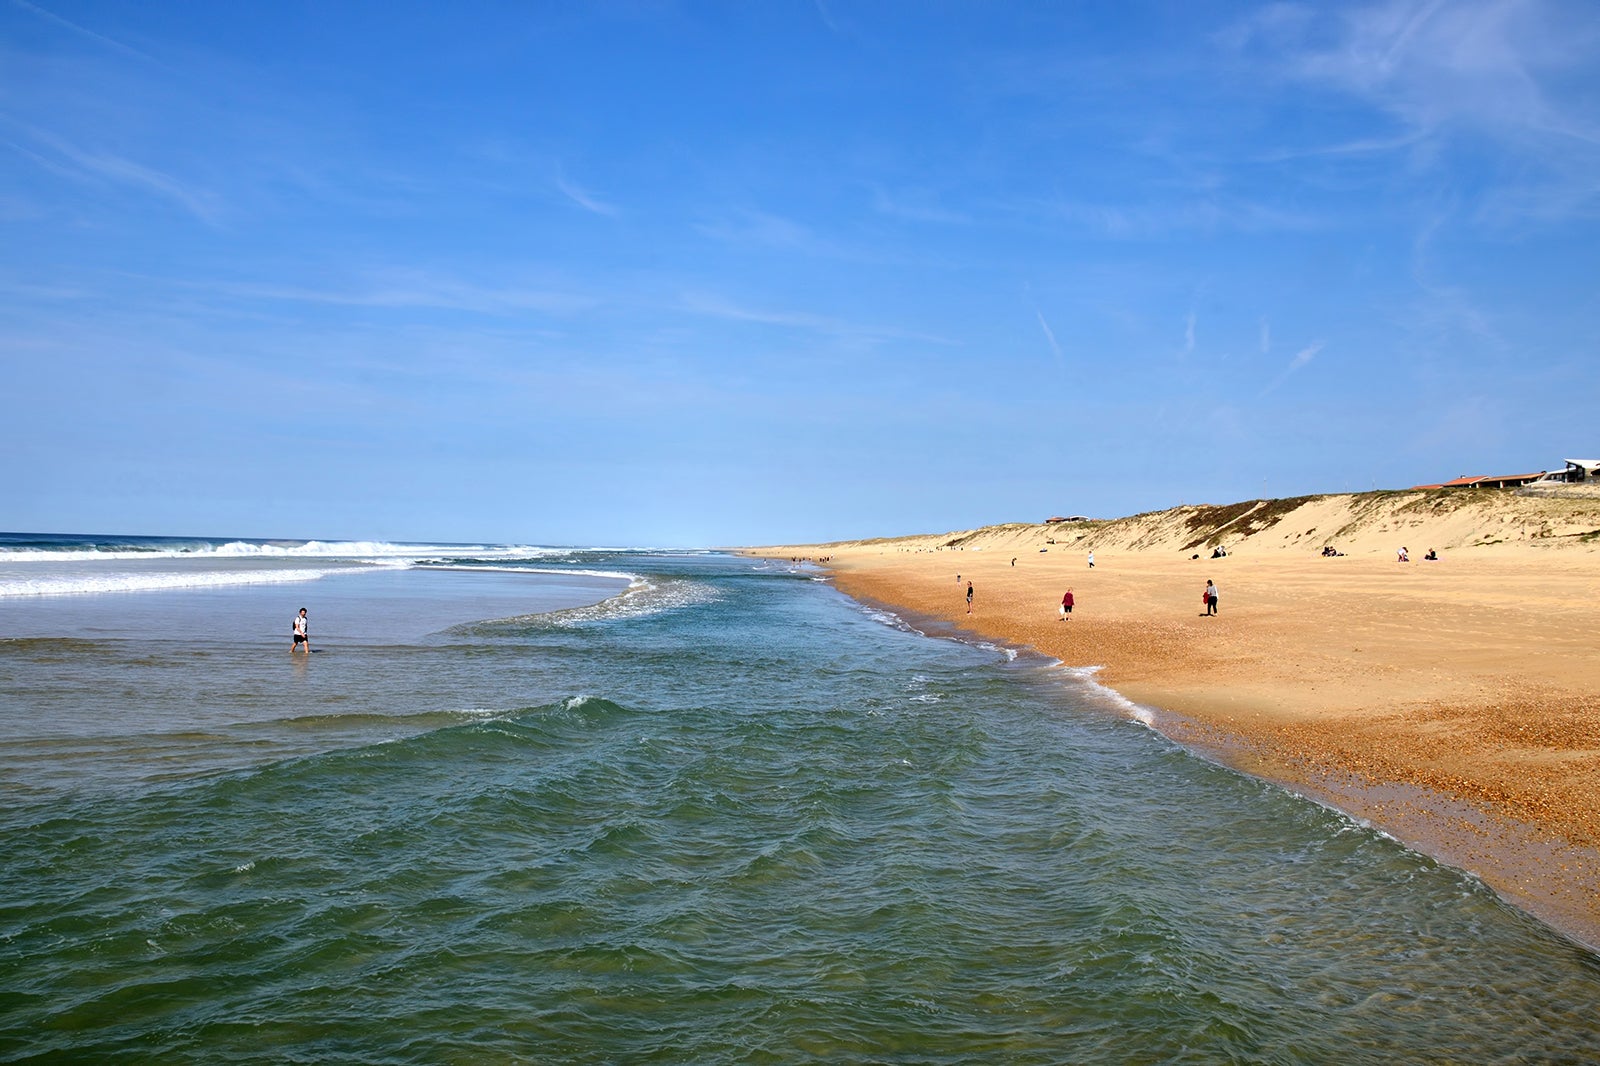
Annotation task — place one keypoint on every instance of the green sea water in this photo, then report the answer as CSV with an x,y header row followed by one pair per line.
x,y
711,812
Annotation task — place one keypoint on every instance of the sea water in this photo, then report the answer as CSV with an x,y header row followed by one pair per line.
x,y
546,805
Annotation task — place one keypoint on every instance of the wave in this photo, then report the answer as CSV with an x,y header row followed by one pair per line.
x,y
1088,677
130,582
620,575
437,740
644,597
355,551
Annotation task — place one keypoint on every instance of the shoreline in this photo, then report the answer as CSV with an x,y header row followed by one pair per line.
x,y
1555,881
1453,705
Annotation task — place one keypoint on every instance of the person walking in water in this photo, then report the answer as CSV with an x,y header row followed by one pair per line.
x,y
969,597
302,634
1066,605
1211,598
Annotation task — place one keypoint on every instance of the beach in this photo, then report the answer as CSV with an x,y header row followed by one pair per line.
x,y
579,804
1453,703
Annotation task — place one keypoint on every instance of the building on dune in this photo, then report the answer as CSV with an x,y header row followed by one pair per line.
x,y
1576,470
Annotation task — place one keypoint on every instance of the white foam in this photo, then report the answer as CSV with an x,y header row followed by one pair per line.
x,y
358,551
888,618
126,582
1010,654
1136,711
617,575
642,597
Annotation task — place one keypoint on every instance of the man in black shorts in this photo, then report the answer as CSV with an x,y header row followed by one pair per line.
x,y
301,632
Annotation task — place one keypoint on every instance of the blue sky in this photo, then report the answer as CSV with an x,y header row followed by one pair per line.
x,y
719,273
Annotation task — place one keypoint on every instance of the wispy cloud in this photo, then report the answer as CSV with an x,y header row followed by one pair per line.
x,y
585,199
1493,67
1049,335
1482,63
1266,335
1203,213
417,291
1301,359
66,159
714,306
88,34
1188,334
1304,356
914,206
761,229
827,17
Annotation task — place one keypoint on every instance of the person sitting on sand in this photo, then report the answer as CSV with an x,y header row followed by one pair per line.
x,y
1404,555
302,633
1431,557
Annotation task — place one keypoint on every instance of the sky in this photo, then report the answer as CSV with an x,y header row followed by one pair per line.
x,y
707,274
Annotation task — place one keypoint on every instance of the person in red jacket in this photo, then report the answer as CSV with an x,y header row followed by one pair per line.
x,y
1066,605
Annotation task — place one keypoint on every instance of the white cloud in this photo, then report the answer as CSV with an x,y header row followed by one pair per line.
x,y
714,306
1495,66
915,206
62,157
1204,212
414,290
98,38
584,199
763,230
1049,335
1304,356
1301,359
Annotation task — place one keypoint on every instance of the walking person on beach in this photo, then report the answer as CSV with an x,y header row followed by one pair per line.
x,y
1210,597
1066,605
1091,560
302,633
969,597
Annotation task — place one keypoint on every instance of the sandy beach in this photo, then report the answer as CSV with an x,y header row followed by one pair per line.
x,y
1454,703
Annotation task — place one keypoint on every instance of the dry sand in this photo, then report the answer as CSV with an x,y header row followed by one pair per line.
x,y
1455,704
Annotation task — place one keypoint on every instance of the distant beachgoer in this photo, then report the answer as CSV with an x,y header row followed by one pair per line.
x,y
1404,555
1210,598
1431,557
1013,560
1066,604
969,597
1091,560
302,633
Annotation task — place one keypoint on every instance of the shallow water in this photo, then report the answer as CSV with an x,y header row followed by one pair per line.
x,y
721,815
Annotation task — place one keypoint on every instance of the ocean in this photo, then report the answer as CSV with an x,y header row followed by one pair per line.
x,y
531,804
